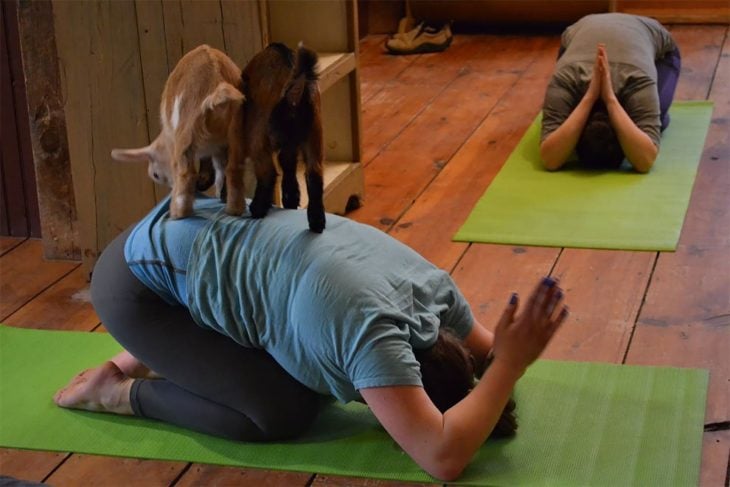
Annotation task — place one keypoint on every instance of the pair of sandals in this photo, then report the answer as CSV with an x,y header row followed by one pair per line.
x,y
418,39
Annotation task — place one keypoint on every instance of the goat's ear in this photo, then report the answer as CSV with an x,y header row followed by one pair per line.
x,y
143,154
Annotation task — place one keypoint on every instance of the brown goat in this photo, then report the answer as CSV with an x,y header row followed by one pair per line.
x,y
282,114
200,119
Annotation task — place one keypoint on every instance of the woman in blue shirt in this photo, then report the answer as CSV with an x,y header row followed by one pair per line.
x,y
248,324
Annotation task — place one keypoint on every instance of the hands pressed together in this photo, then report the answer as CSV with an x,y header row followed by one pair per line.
x,y
519,339
600,85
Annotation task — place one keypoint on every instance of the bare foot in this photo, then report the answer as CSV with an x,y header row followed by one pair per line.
x,y
131,367
104,389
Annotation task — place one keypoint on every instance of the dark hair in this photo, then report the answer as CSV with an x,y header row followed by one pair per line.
x,y
447,372
598,146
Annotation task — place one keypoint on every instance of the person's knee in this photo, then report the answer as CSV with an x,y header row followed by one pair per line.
x,y
274,428
291,420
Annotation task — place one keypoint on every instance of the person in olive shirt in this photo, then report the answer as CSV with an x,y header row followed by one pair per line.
x,y
610,92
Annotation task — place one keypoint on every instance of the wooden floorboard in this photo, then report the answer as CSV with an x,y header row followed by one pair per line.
x,y
715,454
686,318
401,172
64,305
9,243
335,481
437,129
395,107
94,470
24,274
449,198
376,68
29,465
201,475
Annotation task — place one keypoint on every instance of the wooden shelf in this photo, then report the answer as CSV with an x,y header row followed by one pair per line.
x,y
333,67
343,186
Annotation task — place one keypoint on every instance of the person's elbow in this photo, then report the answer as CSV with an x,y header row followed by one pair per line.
x,y
643,163
446,468
549,159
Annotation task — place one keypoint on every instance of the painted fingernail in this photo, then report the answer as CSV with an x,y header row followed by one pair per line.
x,y
549,282
513,298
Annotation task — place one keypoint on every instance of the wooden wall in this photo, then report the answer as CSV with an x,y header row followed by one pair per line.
x,y
18,203
381,16
507,11
114,57
678,11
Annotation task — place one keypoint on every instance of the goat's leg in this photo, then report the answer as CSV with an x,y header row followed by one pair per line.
x,y
219,166
265,180
235,194
184,179
206,174
289,184
313,153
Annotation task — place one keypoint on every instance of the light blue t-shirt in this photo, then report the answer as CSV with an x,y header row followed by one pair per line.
x,y
340,311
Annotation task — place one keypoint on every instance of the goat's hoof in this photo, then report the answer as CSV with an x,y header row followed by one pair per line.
x,y
259,210
178,215
181,207
235,209
316,222
290,201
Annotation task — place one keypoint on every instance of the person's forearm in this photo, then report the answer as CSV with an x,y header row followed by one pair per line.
x,y
467,424
638,148
479,342
558,146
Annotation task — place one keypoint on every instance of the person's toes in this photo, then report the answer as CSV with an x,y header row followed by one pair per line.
x,y
61,397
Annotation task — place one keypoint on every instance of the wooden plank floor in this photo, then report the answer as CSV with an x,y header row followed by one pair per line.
x,y
436,130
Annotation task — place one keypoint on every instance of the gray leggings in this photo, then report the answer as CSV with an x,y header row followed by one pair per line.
x,y
211,384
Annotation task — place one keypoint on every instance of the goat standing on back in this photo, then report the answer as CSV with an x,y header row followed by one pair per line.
x,y
200,118
282,114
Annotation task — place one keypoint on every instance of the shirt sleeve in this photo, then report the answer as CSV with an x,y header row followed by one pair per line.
x,y
663,40
560,101
384,358
458,315
642,106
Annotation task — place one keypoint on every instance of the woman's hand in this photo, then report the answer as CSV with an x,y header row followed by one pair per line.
x,y
638,147
595,87
519,340
604,70
443,444
558,145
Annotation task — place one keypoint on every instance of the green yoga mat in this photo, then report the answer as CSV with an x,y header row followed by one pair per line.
x,y
580,424
527,205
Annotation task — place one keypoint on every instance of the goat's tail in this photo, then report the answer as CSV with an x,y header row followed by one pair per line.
x,y
224,95
304,76
297,111
306,63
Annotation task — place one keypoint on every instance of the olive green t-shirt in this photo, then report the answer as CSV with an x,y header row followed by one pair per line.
x,y
633,45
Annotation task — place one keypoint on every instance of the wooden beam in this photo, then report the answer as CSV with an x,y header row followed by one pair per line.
x,y
56,200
